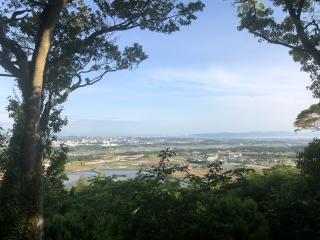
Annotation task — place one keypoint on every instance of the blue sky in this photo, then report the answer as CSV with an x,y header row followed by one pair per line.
x,y
209,77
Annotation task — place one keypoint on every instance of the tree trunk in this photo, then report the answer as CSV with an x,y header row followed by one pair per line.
x,y
31,187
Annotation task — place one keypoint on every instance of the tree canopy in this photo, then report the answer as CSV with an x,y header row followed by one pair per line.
x,y
84,38
293,24
309,118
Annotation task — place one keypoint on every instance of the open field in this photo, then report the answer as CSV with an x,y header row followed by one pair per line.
x,y
133,154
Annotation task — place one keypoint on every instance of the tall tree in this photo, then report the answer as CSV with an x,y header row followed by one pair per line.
x,y
52,48
294,24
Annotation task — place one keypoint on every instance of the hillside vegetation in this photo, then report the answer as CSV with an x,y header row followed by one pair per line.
x,y
278,203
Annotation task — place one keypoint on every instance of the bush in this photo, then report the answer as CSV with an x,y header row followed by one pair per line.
x,y
309,159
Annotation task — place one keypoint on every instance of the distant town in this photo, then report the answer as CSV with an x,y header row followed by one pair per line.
x,y
124,156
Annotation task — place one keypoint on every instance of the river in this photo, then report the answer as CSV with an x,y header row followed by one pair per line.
x,y
121,174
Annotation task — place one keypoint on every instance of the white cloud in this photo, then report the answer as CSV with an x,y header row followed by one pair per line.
x,y
237,81
246,98
190,100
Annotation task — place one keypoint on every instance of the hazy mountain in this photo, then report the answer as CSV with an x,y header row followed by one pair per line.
x,y
258,134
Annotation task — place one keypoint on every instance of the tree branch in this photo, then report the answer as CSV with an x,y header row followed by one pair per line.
x,y
278,42
119,27
9,66
15,15
307,43
37,3
300,7
10,46
80,84
6,75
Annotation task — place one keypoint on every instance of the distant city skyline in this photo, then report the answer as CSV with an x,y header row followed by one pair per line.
x,y
217,135
207,78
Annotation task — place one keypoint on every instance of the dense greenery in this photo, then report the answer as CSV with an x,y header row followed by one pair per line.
x,y
278,203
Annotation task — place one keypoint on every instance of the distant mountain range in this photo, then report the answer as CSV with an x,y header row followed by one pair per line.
x,y
259,134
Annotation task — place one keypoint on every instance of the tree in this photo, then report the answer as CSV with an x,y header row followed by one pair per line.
x,y
52,48
309,159
309,118
293,24
287,199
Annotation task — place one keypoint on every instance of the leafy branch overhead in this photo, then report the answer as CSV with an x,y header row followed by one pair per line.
x,y
293,24
84,46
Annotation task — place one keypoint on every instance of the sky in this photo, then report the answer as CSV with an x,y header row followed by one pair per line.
x,y
207,78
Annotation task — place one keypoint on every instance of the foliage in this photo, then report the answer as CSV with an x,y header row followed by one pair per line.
x,y
288,201
12,214
309,159
153,206
164,168
140,209
3,138
293,24
309,118
277,203
84,48
288,198
216,177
